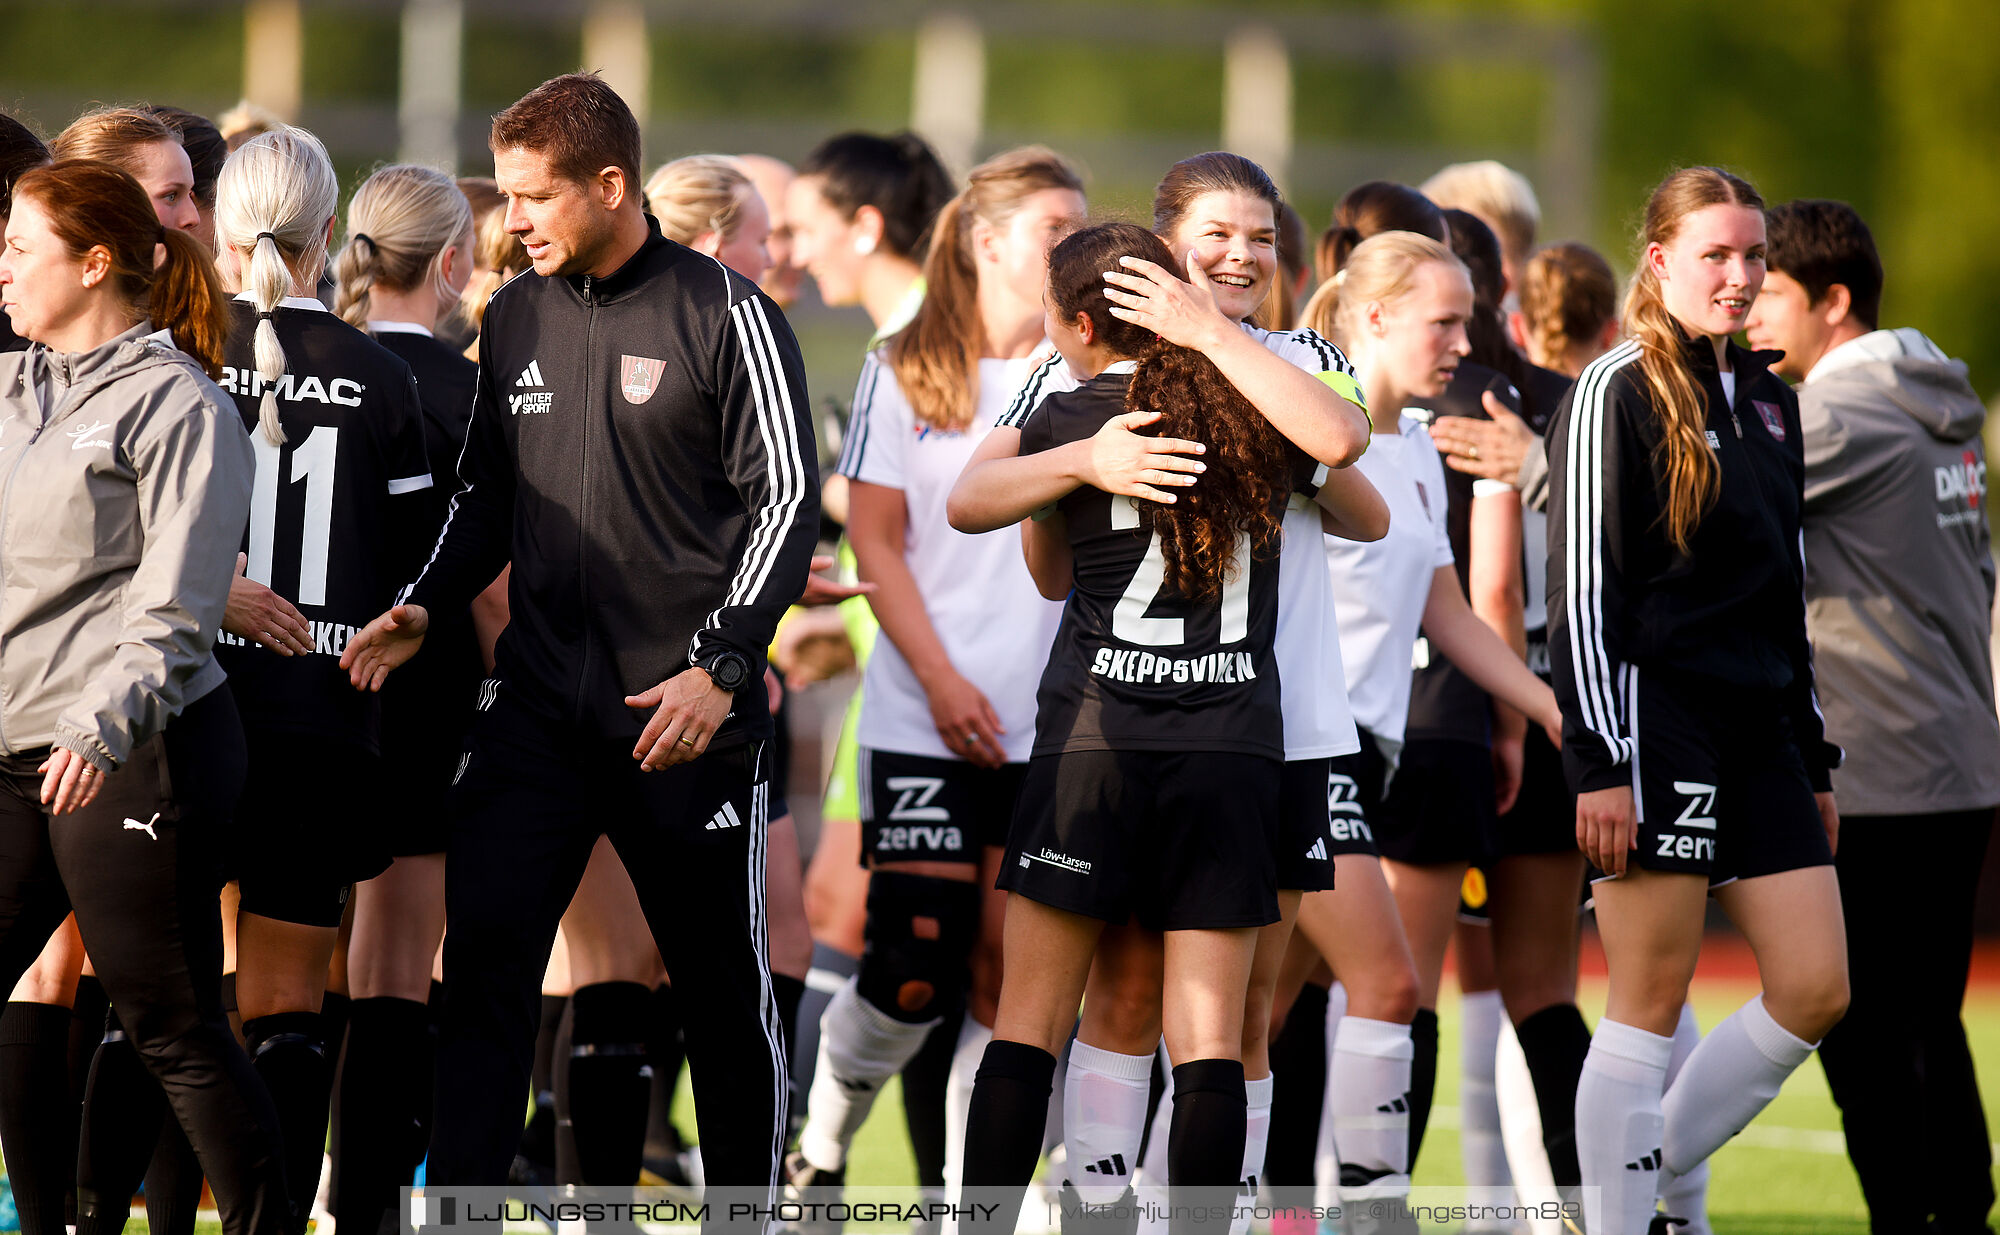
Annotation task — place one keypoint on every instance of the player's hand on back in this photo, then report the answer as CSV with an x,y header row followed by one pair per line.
x,y
1490,449
385,644
257,613
1122,461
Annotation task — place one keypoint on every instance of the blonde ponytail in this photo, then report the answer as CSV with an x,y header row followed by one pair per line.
x,y
1382,268
1686,461
936,356
399,224
272,203
699,195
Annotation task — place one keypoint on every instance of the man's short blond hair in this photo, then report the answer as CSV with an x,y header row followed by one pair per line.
x,y
1496,193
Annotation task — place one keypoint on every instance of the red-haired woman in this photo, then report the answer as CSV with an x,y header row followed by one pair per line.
x,y
122,756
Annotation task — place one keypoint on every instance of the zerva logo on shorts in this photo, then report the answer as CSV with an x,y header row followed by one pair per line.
x,y
1698,814
920,838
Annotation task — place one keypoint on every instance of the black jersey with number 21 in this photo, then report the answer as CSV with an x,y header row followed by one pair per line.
x,y
335,512
1135,665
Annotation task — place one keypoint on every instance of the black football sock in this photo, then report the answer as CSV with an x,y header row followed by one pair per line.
x,y
1205,1148
609,1087
381,1096
538,1139
1298,1054
288,1050
668,1053
1555,1041
123,1110
334,1010
173,1182
925,1079
1423,1076
37,1113
1003,1129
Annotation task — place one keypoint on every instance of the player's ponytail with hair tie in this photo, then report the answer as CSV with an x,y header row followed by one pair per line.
x,y
422,213
279,184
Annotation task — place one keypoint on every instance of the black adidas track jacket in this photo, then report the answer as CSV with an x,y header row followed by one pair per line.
x,y
640,449
1730,610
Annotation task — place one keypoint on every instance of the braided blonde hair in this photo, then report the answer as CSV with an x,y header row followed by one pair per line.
x,y
272,203
399,224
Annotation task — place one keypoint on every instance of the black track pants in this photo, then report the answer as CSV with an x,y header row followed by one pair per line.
x,y
531,801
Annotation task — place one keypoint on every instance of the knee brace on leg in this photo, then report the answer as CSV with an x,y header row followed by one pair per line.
x,y
920,931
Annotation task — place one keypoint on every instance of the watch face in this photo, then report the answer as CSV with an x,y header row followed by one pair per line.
x,y
730,672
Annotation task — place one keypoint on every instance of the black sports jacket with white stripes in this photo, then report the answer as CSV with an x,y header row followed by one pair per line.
x,y
640,449
1623,600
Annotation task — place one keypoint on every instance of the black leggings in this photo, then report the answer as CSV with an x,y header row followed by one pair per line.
x,y
141,868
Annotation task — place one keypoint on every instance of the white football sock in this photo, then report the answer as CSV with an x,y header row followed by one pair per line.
x,y
1480,1148
1368,1083
1104,1119
860,1048
972,1040
1618,1124
1521,1133
1256,1139
1733,1074
1685,1196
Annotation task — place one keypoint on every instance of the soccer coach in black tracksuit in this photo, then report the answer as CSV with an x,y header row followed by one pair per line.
x,y
640,450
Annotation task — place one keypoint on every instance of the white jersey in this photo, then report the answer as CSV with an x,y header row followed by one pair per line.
x,y
994,625
1380,588
1318,724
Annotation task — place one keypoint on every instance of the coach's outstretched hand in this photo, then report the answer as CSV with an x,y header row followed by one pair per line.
x,y
384,644
821,590
690,708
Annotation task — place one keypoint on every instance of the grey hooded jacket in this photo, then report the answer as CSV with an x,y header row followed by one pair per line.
x,y
1900,576
125,478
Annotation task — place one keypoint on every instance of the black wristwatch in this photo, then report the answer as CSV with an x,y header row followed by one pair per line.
x,y
727,669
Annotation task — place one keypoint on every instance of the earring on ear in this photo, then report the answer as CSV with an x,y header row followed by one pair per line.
x,y
864,244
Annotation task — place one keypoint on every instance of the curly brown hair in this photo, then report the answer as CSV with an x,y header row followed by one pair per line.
x,y
1240,494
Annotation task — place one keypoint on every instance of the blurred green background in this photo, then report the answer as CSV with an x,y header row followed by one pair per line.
x,y
1893,105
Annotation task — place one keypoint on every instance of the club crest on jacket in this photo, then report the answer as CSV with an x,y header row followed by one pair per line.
x,y
639,377
1772,419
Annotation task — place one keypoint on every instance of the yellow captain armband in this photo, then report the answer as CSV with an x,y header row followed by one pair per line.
x,y
1344,385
